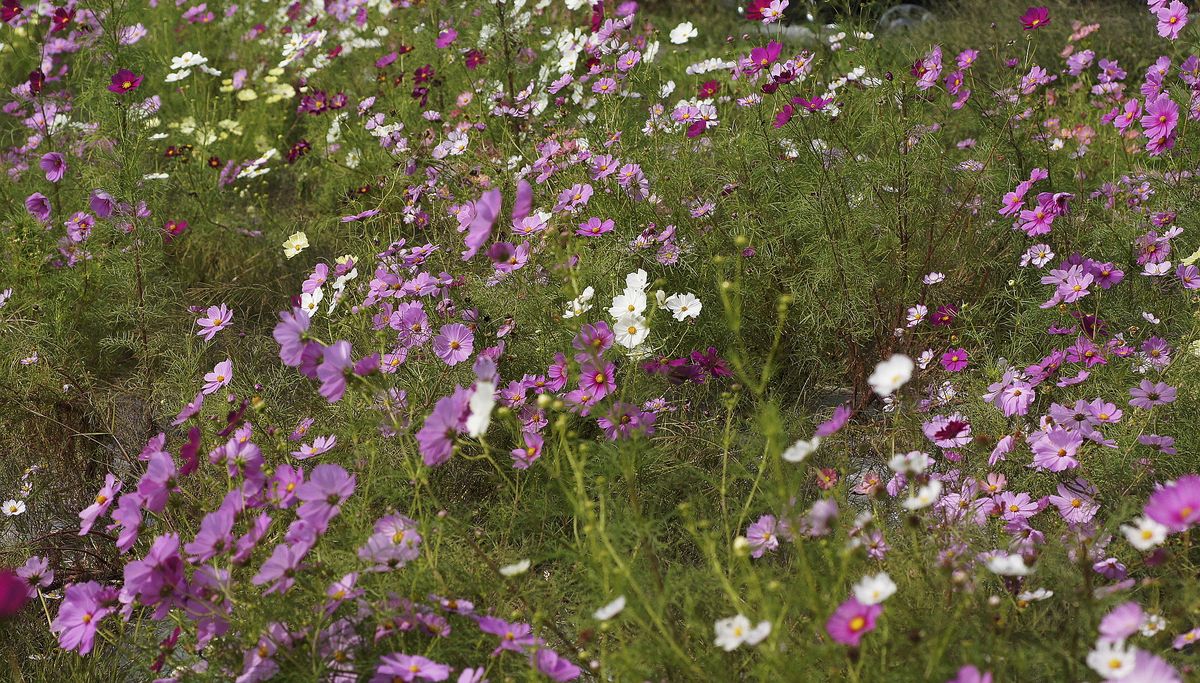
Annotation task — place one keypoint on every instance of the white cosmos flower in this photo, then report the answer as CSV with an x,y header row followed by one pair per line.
x,y
480,405
1111,659
517,569
683,306
891,374
631,302
12,508
873,590
636,281
581,304
683,33
610,610
631,330
1008,565
1034,596
1153,625
734,631
800,450
1145,533
925,496
295,244
915,462
188,60
311,301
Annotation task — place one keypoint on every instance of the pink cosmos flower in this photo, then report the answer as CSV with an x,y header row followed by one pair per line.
x,y
217,319
554,666
851,621
1148,394
1162,114
279,570
221,376
408,668
319,446
104,499
1176,505
1172,19
454,343
594,227
970,674
763,536
1122,621
1056,450
84,606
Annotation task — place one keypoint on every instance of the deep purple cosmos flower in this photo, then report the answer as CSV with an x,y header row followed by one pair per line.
x,y
124,81
1035,18
13,593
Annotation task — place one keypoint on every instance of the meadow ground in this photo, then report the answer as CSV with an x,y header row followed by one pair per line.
x,y
541,339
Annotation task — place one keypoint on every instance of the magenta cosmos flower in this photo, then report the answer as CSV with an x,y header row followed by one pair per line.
x,y
123,81
14,593
852,620
454,343
55,166
1176,505
217,319
1035,18
955,360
